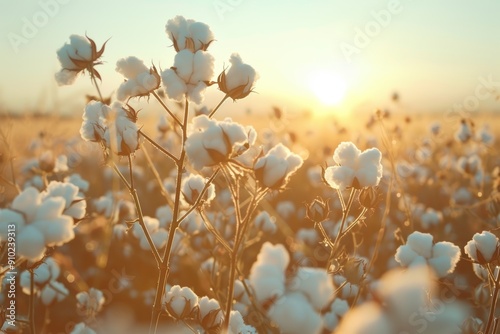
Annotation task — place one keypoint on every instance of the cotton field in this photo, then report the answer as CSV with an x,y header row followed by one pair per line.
x,y
184,220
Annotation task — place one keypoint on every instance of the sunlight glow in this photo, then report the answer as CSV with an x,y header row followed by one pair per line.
x,y
329,88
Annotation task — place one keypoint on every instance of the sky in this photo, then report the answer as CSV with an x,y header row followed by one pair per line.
x,y
329,56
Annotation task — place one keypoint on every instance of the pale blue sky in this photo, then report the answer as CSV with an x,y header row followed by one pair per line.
x,y
432,52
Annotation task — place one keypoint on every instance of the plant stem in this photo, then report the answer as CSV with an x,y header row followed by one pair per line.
x,y
137,203
345,212
31,312
230,291
493,306
165,261
157,146
217,107
167,109
94,81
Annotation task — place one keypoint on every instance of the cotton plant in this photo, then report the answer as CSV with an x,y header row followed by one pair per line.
x,y
46,286
360,172
140,80
420,249
89,304
80,54
208,145
402,299
293,303
41,221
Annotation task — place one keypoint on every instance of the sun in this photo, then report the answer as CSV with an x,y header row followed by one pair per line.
x,y
329,88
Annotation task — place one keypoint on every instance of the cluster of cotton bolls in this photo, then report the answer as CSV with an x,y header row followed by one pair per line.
x,y
405,302
293,303
43,219
46,286
420,248
204,313
115,126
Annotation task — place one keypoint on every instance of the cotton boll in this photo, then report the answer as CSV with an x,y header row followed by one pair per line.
x,y
354,168
79,55
192,187
79,48
175,87
164,215
265,223
445,257
188,34
65,77
368,318
274,254
30,243
337,309
104,205
405,255
294,315
339,177
56,231
53,292
275,168
405,292
159,238
90,301
430,218
482,247
188,75
9,217
27,202
81,328
309,236
346,154
209,313
74,205
180,301
201,35
239,80
211,142
77,180
349,290
193,223
237,325
315,284
94,122
464,133
421,243
268,282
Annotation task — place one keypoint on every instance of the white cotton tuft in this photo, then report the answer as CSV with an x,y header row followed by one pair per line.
x,y
275,168
141,81
294,315
354,168
192,187
316,284
482,247
368,318
421,243
180,301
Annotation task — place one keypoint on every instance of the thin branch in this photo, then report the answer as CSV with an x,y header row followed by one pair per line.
x,y
217,107
166,108
157,146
